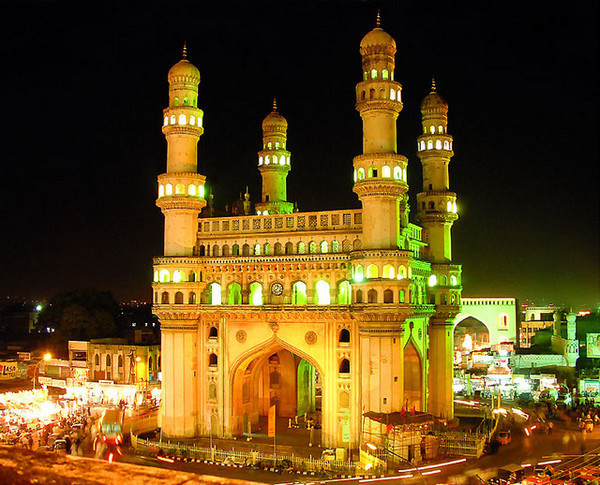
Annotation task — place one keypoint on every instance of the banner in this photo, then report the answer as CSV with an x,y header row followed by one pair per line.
x,y
593,345
272,421
8,370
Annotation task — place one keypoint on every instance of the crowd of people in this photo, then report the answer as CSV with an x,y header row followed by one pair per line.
x,y
29,420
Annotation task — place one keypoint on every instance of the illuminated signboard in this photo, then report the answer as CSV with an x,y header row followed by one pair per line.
x,y
593,345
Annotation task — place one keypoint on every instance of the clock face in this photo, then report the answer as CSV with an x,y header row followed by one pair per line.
x,y
277,289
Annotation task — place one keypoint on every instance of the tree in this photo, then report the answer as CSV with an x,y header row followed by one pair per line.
x,y
80,315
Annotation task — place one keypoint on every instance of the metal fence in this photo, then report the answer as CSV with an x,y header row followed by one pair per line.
x,y
243,458
458,443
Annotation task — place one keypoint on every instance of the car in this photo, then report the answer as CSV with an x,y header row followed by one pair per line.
x,y
60,447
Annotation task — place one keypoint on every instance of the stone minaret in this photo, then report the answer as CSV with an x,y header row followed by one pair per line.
x,y
380,173
274,165
181,198
181,188
436,210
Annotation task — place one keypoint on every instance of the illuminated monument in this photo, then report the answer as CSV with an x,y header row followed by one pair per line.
x,y
334,313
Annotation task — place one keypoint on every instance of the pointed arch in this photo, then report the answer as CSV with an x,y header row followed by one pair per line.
x,y
413,376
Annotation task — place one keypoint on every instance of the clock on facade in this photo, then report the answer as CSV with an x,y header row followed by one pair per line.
x,y
277,289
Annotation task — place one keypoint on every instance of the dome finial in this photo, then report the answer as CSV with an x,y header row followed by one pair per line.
x,y
378,19
433,85
184,50
274,103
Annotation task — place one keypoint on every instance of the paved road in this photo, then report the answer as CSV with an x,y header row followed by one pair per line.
x,y
563,440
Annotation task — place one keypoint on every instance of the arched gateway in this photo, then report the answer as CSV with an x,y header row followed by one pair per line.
x,y
274,373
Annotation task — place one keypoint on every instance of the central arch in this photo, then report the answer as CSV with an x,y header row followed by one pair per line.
x,y
273,373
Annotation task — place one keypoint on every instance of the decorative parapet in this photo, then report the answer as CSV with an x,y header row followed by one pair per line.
x,y
349,220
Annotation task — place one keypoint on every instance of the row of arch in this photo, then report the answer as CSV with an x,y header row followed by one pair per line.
x,y
180,189
186,102
153,362
282,160
440,129
372,271
447,145
386,172
183,120
394,94
233,295
279,249
450,206
179,276
385,74
278,145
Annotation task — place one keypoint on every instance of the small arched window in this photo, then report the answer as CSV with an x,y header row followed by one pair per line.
x,y
397,173
440,129
168,189
359,296
215,294
372,271
359,273
344,293
256,294
384,74
176,101
335,246
388,272
267,249
322,293
363,95
120,361
213,360
161,190
234,294
446,145
178,298
246,250
235,250
97,359
344,336
372,296
324,247
182,119
453,280
401,296
345,366
429,144
213,332
192,190
386,172
192,298
312,247
107,360
299,293
164,299
257,249
393,94
172,119
373,73
361,173
301,248
438,144
289,248
388,296
432,129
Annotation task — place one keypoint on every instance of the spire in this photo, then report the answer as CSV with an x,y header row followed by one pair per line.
x,y
184,50
433,85
378,20
274,103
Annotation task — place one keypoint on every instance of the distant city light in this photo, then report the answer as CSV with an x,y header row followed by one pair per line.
x,y
38,308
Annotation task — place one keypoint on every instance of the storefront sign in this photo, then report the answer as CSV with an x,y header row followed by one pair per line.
x,y
8,370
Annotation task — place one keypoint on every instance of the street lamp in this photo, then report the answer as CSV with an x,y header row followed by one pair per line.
x,y
36,375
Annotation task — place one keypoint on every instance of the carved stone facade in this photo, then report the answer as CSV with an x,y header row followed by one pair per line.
x,y
329,313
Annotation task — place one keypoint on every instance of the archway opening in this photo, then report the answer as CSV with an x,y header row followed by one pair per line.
x,y
277,377
471,339
413,378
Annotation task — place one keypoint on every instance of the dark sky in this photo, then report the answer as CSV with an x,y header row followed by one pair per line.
x,y
83,86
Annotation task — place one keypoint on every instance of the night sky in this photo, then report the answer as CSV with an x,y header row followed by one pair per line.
x,y
83,86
